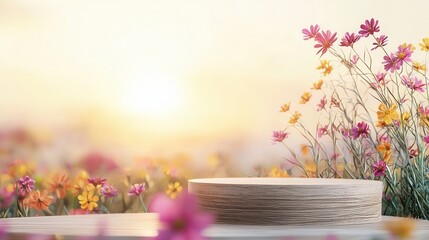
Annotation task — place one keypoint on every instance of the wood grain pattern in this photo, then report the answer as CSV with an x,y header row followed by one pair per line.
x,y
289,201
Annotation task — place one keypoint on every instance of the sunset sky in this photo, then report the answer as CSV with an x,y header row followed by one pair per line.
x,y
181,75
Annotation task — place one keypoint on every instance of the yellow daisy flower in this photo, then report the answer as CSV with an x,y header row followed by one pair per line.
x,y
306,96
420,67
317,85
88,199
424,45
387,115
285,107
295,117
174,189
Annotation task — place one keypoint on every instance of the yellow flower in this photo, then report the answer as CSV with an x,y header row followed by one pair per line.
x,y
285,107
305,149
174,189
317,85
424,45
306,96
295,117
326,66
387,115
406,118
88,200
410,46
278,172
310,168
385,150
402,228
420,67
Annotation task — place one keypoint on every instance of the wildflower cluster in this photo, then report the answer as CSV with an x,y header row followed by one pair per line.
x,y
373,119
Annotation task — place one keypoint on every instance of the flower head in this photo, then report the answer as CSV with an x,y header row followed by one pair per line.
x,y
321,131
88,200
413,83
174,189
324,41
387,115
361,130
380,42
379,168
369,28
402,228
349,39
136,189
420,67
59,184
181,217
6,197
317,85
97,181
426,139
311,32
305,97
385,150
25,186
39,200
279,136
424,45
391,63
278,172
295,117
108,191
326,66
321,105
285,107
404,53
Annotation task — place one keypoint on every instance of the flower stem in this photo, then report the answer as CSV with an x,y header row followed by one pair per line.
x,y
144,206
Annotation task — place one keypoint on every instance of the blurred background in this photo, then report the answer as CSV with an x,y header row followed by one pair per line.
x,y
126,80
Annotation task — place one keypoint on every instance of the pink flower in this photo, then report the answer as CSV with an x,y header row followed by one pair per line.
x,y
345,132
381,78
321,131
6,198
322,104
108,190
25,186
404,54
361,130
391,63
369,28
349,39
279,136
325,41
97,181
379,168
413,83
136,189
354,59
3,231
311,33
426,139
380,42
181,217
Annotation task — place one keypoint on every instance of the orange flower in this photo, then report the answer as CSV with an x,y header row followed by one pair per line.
x,y
39,200
60,184
402,228
285,107
305,98
385,150
295,117
317,85
387,115
326,66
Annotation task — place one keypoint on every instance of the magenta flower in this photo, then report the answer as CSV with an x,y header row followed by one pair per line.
x,y
97,181
181,217
311,32
361,130
6,198
321,131
379,168
325,41
391,63
349,39
321,105
354,59
369,28
345,132
413,83
426,139
25,186
109,191
380,42
404,54
381,78
136,189
279,136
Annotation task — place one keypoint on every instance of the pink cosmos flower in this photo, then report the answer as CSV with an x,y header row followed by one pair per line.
x,y
97,181
379,168
391,63
279,136
369,28
311,32
6,198
361,130
426,139
136,189
381,78
180,217
380,42
321,105
321,131
349,39
413,83
324,41
404,54
25,186
109,191
345,132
